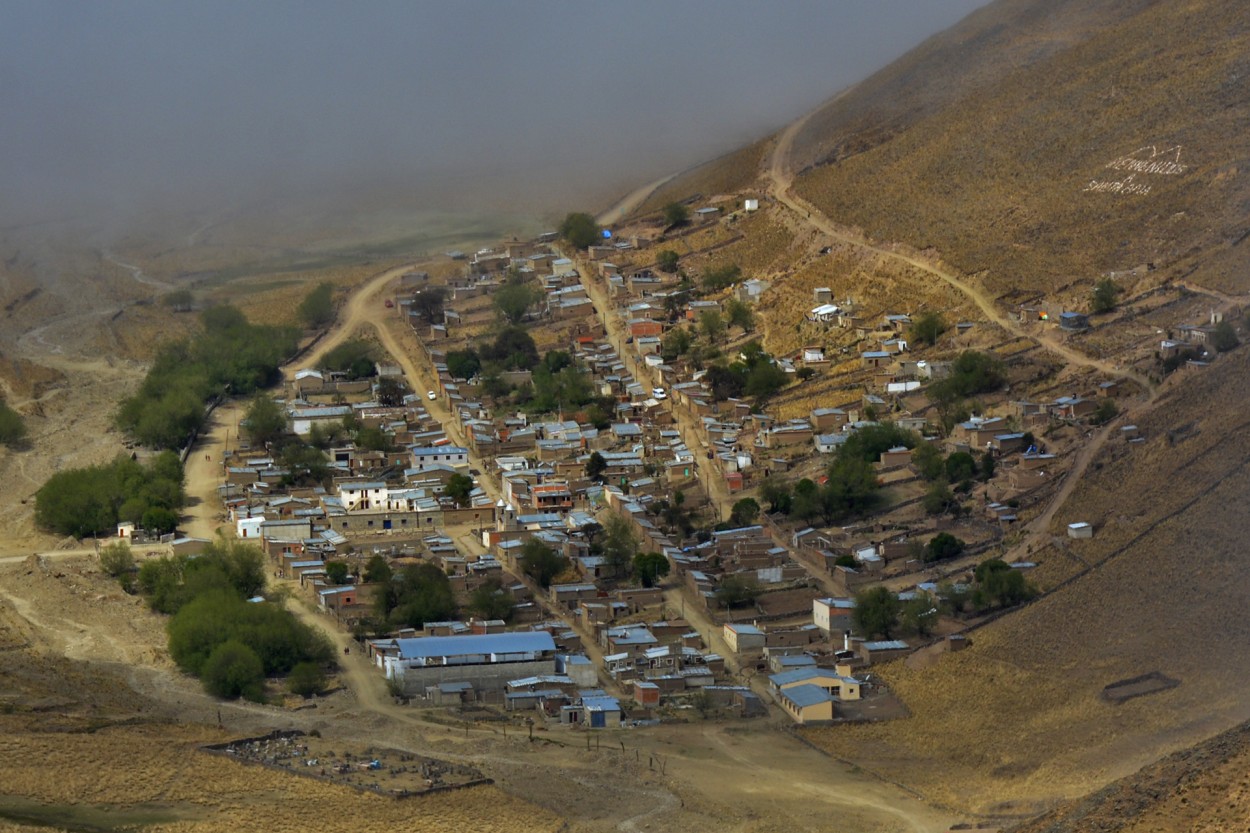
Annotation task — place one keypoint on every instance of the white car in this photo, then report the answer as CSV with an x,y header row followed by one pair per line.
x,y
429,394
658,393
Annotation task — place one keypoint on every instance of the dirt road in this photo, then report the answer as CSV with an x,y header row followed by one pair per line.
x,y
782,181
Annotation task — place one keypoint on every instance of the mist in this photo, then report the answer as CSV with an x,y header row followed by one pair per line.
x,y
113,110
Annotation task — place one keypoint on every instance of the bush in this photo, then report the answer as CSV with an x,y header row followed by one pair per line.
x,y
355,358
12,427
1103,298
927,328
337,572
676,214
514,300
579,229
233,670
667,260
317,309
737,590
1224,338
943,546
721,277
972,372
306,680
118,561
415,595
745,512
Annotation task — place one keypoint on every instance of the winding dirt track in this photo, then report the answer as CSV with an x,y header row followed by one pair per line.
x,y
781,184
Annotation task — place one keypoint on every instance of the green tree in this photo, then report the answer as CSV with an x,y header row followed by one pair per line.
x,y
463,364
876,611
355,358
987,466
972,372
918,615
1104,296
676,214
737,590
620,544
12,426
745,512
927,460
740,314
650,567
675,343
720,277
938,499
712,325
234,670
306,680
389,392
377,569
943,546
513,349
579,229
492,600
1224,337
998,584
927,328
514,300
1105,412
429,303
117,561
264,421
777,494
337,572
763,380
317,308
415,595
160,520
960,466
541,562
596,465
869,442
459,487
667,261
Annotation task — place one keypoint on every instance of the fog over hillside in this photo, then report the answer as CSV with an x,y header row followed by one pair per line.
x,y
113,108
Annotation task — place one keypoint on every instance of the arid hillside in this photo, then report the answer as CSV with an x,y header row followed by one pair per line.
x,y
1040,145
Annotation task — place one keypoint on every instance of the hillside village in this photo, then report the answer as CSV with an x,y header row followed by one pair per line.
x,y
616,501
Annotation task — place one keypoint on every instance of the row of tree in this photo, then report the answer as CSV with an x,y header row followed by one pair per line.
x,y
219,629
92,500
228,356
995,585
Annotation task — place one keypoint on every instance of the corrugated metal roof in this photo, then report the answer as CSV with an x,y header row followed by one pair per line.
x,y
490,643
807,695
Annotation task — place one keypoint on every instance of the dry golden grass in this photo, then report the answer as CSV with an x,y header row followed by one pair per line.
x,y
991,173
723,175
162,765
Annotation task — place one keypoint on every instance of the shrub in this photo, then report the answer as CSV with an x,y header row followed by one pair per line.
x,y
317,308
233,670
927,328
12,427
306,680
579,229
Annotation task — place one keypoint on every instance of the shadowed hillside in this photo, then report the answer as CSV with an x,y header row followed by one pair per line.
x,y
1041,144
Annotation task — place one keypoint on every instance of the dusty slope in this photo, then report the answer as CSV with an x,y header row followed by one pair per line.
x,y
1194,791
983,143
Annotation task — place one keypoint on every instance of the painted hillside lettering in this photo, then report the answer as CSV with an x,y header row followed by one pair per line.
x,y
1147,160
